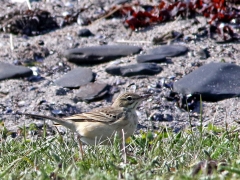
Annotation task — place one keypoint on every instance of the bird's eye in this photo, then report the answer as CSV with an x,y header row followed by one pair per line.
x,y
129,98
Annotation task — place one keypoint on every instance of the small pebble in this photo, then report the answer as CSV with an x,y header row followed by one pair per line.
x,y
21,103
58,112
85,33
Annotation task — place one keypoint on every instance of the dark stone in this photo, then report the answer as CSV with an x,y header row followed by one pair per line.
x,y
8,71
92,91
214,81
61,91
157,117
161,117
119,2
76,78
98,54
157,58
135,69
203,53
40,42
85,33
169,50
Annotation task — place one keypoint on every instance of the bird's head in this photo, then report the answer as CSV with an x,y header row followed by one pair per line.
x,y
129,100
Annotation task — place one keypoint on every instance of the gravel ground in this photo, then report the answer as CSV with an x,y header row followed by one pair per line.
x,y
40,96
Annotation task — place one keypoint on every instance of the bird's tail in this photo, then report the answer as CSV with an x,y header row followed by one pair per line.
x,y
67,123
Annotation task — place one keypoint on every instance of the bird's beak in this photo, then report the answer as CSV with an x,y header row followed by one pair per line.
x,y
145,96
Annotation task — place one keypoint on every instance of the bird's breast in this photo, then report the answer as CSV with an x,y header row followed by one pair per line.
x,y
131,126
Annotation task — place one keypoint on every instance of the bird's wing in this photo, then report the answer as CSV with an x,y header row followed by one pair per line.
x,y
108,114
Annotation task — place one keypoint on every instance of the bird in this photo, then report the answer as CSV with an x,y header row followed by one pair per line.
x,y
100,125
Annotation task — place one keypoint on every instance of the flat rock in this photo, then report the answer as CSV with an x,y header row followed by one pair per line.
x,y
76,78
8,71
98,54
157,58
214,81
169,50
92,91
135,69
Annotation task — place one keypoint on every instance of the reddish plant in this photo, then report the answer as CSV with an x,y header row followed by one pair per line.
x,y
137,16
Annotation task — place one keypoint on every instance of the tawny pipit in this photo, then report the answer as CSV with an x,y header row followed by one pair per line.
x,y
100,125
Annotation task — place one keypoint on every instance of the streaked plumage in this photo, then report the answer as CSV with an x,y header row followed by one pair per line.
x,y
100,125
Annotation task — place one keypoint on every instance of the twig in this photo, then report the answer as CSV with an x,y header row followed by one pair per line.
x,y
124,148
128,41
107,15
29,4
11,42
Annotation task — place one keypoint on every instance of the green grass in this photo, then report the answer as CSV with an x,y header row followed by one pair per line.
x,y
162,154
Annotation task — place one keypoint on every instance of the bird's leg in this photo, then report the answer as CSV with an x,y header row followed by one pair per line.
x,y
80,146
